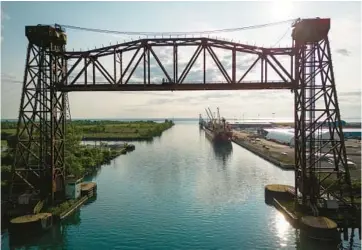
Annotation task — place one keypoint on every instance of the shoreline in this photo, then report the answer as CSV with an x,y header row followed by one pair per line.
x,y
257,152
118,138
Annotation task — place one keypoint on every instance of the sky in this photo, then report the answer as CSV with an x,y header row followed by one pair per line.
x,y
345,39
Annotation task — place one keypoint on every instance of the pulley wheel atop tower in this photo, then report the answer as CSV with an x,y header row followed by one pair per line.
x,y
45,35
311,30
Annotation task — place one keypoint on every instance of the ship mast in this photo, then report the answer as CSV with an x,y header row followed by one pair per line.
x,y
213,118
218,113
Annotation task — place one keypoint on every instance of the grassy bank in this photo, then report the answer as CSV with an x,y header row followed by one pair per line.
x,y
81,160
116,130
106,130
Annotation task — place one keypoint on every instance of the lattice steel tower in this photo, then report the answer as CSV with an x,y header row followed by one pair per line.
x,y
39,156
316,107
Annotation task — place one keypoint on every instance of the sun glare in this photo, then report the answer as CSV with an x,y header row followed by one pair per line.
x,y
282,225
282,9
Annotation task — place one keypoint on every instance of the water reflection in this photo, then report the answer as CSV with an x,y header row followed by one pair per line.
x,y
55,236
282,227
306,243
175,194
223,152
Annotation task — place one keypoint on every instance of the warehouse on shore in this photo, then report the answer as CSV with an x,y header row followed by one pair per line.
x,y
286,136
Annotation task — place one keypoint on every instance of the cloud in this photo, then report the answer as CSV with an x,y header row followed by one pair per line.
x,y
186,104
343,52
356,93
350,97
7,77
4,17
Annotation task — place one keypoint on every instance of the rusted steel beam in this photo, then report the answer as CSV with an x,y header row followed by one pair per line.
x,y
190,64
178,87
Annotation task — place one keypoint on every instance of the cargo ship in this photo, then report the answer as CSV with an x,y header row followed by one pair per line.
x,y
217,129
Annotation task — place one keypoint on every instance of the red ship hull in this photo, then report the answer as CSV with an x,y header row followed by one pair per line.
x,y
219,136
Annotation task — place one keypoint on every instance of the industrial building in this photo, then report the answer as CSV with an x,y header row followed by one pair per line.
x,y
250,125
280,135
286,136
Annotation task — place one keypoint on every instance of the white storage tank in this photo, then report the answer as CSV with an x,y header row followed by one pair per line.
x,y
280,135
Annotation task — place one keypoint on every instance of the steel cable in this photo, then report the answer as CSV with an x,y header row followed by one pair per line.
x,y
175,33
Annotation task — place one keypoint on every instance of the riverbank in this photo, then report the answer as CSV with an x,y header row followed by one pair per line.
x,y
121,131
81,160
43,218
282,156
105,130
279,155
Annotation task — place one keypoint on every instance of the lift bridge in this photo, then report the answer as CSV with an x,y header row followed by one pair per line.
x,y
52,71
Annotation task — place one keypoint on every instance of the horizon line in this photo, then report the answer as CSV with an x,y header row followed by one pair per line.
x,y
184,118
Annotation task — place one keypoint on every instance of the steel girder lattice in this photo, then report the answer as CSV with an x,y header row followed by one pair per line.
x,y
88,73
39,155
318,129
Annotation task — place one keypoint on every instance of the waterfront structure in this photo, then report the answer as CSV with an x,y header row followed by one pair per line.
x,y
73,188
286,136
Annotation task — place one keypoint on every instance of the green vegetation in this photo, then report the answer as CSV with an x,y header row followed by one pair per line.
x,y
115,130
61,208
106,130
334,186
81,160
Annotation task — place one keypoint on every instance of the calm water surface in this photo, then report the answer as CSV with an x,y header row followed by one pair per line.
x,y
180,192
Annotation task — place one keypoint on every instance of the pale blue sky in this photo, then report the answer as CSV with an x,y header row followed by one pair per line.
x,y
345,39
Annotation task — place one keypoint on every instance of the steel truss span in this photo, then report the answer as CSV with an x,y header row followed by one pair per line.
x,y
305,68
139,66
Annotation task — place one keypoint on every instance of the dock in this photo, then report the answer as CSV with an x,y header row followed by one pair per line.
x,y
326,226
280,155
42,221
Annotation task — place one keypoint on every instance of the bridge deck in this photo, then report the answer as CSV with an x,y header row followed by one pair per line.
x,y
175,87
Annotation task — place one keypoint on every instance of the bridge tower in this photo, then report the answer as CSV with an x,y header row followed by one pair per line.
x,y
39,154
318,128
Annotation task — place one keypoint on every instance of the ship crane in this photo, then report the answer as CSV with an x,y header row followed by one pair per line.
x,y
218,113
209,115
213,118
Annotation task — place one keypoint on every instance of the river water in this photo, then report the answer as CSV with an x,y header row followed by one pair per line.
x,y
180,192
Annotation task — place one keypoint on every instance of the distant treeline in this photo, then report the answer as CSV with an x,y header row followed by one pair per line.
x,y
13,124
